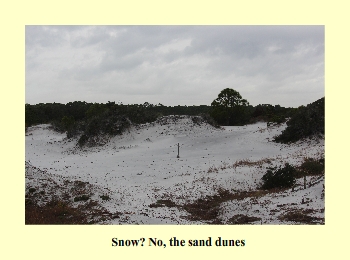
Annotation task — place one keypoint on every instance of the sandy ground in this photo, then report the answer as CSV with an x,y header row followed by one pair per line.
x,y
140,167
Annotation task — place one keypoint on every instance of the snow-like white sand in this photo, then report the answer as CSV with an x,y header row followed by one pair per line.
x,y
141,166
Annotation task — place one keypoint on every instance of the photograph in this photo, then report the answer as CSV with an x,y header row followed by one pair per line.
x,y
175,125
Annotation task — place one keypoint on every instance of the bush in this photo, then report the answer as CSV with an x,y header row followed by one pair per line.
x,y
83,139
306,121
312,166
162,203
105,197
31,190
279,178
276,120
81,198
241,219
208,119
103,125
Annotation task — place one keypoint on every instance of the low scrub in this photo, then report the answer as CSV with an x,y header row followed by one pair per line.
x,y
209,120
241,219
283,177
239,163
307,121
163,203
62,211
54,212
81,198
208,208
301,216
105,197
102,125
312,166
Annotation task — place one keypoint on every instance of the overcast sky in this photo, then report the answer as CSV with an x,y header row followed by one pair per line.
x,y
174,65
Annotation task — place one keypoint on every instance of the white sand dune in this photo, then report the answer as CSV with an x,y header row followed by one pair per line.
x,y
141,166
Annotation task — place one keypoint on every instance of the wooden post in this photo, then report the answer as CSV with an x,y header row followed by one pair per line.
x,y
178,150
304,182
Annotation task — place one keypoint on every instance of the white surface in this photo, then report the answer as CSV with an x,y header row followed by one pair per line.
x,y
140,167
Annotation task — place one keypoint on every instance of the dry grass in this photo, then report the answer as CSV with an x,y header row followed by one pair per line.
x,y
301,216
311,167
240,163
67,203
58,211
208,209
250,163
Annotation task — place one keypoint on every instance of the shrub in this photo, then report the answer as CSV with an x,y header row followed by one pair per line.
x,y
279,178
105,197
102,125
276,120
83,139
312,166
162,203
31,190
305,122
81,198
241,219
208,119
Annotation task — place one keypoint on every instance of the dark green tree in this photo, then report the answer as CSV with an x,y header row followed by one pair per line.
x,y
95,110
229,108
306,121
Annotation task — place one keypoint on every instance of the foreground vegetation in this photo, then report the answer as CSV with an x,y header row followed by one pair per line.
x,y
75,205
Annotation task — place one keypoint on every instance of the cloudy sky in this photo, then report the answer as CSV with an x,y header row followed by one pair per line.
x,y
174,65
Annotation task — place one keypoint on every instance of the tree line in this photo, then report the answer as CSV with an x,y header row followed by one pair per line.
x,y
229,108
44,113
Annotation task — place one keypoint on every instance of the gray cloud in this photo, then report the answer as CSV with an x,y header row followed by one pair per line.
x,y
186,65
